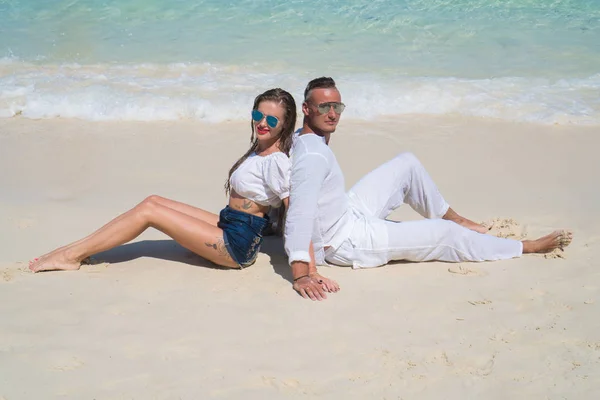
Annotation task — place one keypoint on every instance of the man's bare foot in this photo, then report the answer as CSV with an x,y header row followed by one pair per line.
x,y
451,215
57,260
555,240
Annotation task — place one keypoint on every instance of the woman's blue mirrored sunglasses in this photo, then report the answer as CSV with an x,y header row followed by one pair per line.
x,y
257,116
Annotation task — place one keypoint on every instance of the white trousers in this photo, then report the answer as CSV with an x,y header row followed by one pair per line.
x,y
375,241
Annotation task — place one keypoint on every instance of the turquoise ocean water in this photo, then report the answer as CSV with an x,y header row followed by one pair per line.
x,y
520,60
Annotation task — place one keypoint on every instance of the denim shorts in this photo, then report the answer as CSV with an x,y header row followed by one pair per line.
x,y
242,234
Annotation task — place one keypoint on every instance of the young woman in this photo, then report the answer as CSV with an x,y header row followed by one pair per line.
x,y
258,181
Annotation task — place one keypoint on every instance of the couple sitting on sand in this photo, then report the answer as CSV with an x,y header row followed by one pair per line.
x,y
323,223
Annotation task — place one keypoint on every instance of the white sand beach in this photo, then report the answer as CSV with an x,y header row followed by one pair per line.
x,y
150,320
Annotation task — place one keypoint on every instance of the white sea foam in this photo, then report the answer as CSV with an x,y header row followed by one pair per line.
x,y
214,93
533,60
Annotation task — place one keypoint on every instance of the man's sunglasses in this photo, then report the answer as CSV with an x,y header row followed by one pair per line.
x,y
324,108
258,116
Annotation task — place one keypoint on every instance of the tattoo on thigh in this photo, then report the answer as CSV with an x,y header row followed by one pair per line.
x,y
220,247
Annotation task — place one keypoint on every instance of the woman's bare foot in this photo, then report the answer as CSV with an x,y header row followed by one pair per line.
x,y
451,215
57,260
555,240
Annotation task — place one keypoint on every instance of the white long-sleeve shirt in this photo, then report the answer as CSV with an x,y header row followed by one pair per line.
x,y
318,209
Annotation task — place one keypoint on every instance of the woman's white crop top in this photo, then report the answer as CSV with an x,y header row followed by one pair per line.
x,y
263,179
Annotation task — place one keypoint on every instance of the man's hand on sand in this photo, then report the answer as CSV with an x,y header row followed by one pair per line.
x,y
310,288
329,285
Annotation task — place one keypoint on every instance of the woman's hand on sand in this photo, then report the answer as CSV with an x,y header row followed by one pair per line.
x,y
310,288
329,285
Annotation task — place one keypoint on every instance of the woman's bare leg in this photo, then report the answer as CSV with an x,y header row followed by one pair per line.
x,y
192,211
194,234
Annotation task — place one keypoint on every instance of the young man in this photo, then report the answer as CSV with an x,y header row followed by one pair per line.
x,y
350,229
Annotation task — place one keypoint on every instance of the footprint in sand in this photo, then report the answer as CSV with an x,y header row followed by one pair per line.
x,y
505,228
281,384
479,302
556,253
485,368
69,364
8,274
461,270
